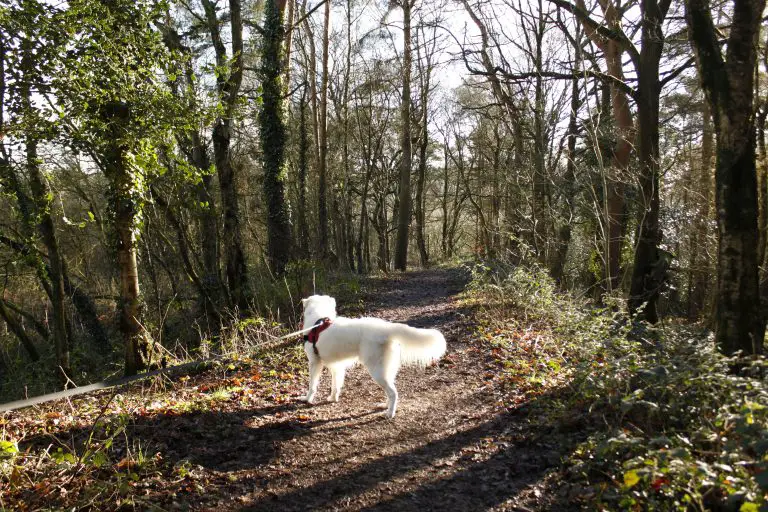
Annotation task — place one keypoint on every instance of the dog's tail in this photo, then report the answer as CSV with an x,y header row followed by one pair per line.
x,y
419,347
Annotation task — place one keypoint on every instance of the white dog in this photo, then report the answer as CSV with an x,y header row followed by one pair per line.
x,y
380,345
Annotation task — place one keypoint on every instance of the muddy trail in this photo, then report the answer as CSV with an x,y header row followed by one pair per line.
x,y
452,446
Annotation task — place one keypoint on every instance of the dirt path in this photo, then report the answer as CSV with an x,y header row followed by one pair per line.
x,y
449,446
452,446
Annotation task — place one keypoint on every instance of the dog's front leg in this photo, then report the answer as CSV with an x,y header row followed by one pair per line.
x,y
337,382
315,370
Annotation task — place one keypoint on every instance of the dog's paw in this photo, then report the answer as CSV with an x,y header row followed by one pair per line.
x,y
332,398
389,415
382,405
306,399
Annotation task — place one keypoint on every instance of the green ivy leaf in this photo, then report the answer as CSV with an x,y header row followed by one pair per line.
x,y
8,449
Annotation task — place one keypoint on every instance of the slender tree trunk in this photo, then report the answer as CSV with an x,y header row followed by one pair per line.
x,y
209,237
381,231
564,233
313,96
361,239
304,244
699,264
614,184
540,213
43,199
196,152
322,191
228,87
126,220
404,196
762,176
425,76
349,226
286,59
18,330
650,265
729,86
444,204
42,194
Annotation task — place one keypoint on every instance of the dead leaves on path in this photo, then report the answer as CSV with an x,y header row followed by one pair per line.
x,y
89,451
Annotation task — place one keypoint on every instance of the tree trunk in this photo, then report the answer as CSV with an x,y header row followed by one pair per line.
x,y
614,183
273,140
193,147
43,199
425,75
564,233
729,86
348,223
446,183
650,265
304,244
762,174
539,211
122,181
322,135
18,330
404,196
699,264
228,87
209,237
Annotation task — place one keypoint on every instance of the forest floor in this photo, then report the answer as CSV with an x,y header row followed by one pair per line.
x,y
250,444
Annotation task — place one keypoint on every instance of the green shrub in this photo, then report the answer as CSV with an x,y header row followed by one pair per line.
x,y
673,424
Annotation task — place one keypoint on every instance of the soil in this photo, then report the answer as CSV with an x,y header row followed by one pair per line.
x,y
450,447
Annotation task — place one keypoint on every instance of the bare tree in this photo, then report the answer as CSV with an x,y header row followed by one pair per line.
x,y
404,195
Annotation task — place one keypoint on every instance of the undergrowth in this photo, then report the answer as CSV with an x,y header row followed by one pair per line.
x,y
178,331
670,424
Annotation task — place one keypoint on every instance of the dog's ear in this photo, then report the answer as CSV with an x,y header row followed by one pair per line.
x,y
333,302
304,302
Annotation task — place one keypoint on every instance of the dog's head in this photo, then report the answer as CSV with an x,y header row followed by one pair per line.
x,y
317,307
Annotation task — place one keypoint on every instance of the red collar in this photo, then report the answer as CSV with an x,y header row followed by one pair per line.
x,y
321,325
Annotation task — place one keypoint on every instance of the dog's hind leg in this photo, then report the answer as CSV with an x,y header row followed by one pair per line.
x,y
338,372
388,385
315,370
384,375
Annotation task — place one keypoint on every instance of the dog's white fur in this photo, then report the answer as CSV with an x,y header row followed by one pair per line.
x,y
380,345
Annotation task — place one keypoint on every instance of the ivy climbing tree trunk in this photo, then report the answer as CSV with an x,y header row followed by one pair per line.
x,y
125,198
728,83
272,135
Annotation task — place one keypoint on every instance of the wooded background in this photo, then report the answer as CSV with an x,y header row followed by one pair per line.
x,y
168,167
